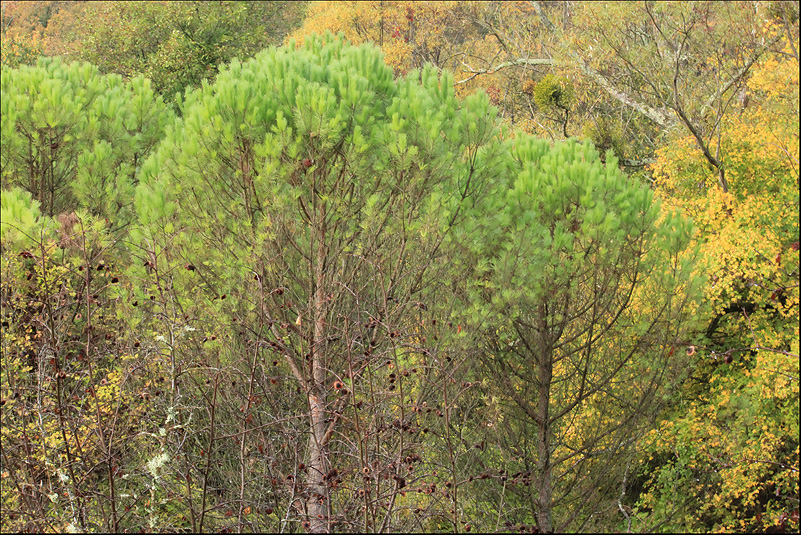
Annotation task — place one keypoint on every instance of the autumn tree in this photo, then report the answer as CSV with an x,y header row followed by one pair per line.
x,y
26,29
680,65
637,70
411,34
740,468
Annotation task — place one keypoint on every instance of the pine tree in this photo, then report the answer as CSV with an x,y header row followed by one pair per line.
x,y
74,139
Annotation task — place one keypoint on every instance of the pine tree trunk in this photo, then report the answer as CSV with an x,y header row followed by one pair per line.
x,y
544,468
316,504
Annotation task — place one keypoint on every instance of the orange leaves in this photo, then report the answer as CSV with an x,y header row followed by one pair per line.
x,y
407,32
34,28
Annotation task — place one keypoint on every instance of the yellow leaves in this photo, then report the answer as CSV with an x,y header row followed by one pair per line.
x,y
774,76
735,440
109,390
741,231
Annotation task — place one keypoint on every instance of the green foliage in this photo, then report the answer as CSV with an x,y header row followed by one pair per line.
x,y
579,283
177,44
314,191
20,217
325,125
75,139
319,269
561,213
553,92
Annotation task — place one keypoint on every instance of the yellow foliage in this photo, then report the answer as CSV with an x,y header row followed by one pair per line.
x,y
744,421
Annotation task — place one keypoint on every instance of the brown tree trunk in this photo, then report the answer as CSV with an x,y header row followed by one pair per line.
x,y
543,464
316,503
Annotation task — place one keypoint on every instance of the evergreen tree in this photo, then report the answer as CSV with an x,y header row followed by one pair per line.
x,y
581,290
315,190
75,139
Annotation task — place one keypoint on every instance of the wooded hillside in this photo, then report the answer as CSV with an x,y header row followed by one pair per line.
x,y
399,266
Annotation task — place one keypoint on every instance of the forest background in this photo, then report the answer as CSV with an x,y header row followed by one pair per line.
x,y
509,266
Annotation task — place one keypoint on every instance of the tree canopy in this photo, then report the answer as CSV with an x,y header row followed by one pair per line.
x,y
519,266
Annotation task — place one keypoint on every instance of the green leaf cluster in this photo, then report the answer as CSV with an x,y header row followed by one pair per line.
x,y
553,92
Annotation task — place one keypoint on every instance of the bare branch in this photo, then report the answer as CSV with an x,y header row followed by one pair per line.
x,y
741,73
512,63
655,115
543,17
